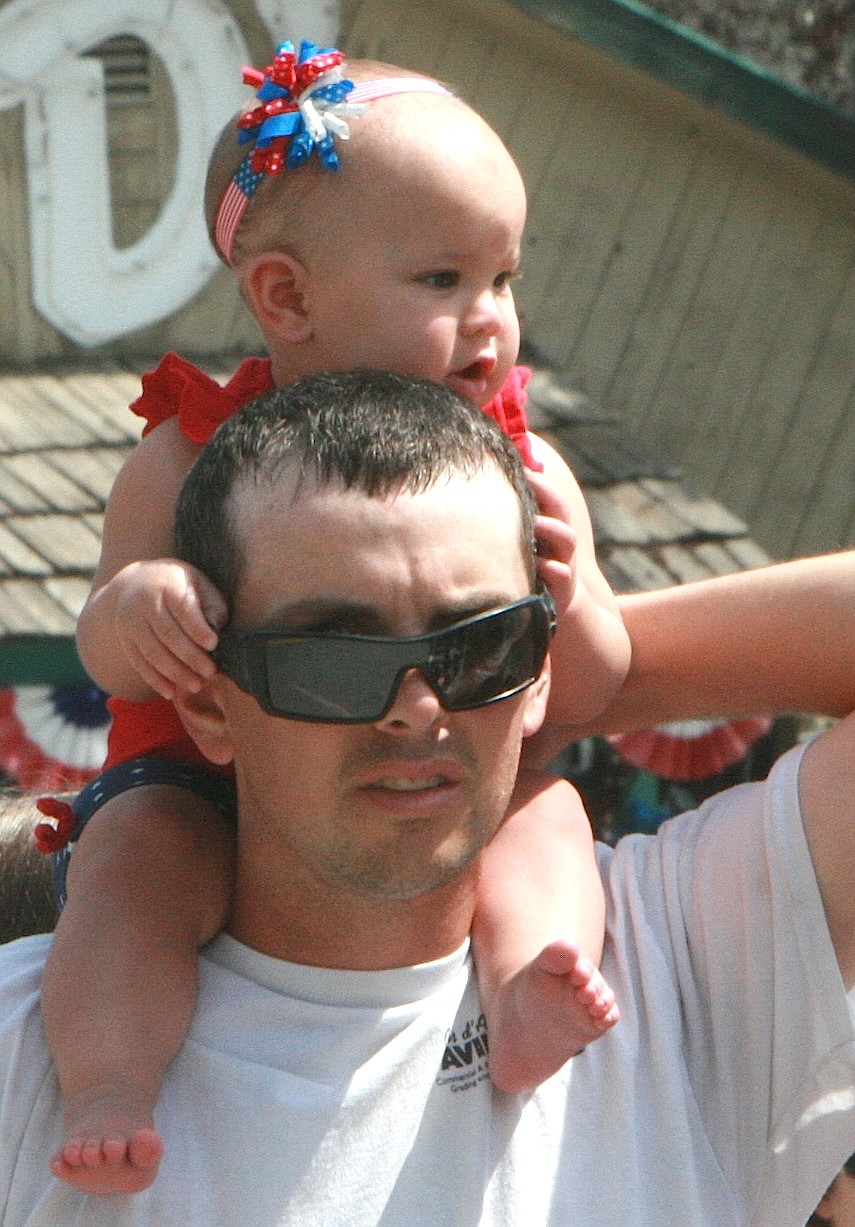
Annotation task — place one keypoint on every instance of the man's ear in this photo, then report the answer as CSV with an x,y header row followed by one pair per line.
x,y
204,716
537,697
274,285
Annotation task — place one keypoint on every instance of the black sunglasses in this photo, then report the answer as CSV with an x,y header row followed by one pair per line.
x,y
337,678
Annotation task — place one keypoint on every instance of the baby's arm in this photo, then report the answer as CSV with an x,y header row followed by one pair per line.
x,y
538,935
148,623
590,652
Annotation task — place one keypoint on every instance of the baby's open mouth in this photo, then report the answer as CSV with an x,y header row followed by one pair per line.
x,y
475,370
479,369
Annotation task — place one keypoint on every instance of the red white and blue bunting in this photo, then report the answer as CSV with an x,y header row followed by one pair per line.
x,y
690,750
52,738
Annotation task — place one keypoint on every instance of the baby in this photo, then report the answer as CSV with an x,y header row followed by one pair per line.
x,y
376,225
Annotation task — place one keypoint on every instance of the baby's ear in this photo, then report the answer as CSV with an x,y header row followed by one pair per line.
x,y
274,286
203,714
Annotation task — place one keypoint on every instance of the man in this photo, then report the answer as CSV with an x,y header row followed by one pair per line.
x,y
336,1071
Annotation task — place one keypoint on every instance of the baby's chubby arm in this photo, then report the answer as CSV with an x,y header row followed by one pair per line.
x,y
591,649
148,624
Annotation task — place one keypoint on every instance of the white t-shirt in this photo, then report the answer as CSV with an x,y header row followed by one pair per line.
x,y
312,1097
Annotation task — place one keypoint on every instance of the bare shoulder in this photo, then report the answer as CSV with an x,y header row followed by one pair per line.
x,y
160,460
560,476
555,467
534,784
141,509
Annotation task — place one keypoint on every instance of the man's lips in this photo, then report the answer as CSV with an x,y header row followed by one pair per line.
x,y
410,776
410,783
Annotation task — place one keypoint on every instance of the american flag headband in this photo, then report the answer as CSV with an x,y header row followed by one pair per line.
x,y
304,103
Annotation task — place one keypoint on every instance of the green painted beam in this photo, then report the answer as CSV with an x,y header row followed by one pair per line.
x,y
39,660
699,67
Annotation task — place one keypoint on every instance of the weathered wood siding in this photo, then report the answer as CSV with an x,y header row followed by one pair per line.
x,y
688,274
141,134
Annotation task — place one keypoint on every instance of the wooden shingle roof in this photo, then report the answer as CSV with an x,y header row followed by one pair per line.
x,y
65,431
652,529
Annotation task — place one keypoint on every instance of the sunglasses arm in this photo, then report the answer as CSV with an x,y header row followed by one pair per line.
x,y
240,660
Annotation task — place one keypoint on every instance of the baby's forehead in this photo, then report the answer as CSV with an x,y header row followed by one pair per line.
x,y
412,134
420,118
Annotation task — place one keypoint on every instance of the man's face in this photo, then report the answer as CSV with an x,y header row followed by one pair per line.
x,y
392,809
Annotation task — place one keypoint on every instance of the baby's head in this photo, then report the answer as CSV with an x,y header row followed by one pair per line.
x,y
401,259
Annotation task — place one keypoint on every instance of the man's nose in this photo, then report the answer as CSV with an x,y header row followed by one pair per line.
x,y
415,707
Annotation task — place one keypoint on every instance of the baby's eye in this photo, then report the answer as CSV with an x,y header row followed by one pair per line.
x,y
442,279
506,277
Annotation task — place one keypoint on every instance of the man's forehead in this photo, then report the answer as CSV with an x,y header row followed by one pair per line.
x,y
302,538
291,484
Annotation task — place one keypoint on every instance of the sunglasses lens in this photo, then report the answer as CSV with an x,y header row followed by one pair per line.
x,y
351,679
492,658
327,679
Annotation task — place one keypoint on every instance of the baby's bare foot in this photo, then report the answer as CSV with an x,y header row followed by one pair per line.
x,y
111,1145
546,1014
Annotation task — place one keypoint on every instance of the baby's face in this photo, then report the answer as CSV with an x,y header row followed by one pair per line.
x,y
416,274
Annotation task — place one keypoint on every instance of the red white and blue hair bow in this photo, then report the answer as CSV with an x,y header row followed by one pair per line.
x,y
301,108
305,102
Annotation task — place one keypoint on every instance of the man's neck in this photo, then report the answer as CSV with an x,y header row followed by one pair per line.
x,y
357,934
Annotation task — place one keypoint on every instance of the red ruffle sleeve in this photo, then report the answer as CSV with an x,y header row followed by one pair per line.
x,y
508,409
152,729
177,388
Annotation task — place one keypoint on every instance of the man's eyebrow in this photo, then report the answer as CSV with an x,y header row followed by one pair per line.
x,y
326,614
468,606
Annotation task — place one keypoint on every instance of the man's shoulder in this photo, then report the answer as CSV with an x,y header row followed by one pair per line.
x,y
717,900
697,879
748,816
720,956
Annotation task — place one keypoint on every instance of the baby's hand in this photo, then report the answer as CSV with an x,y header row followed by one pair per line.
x,y
166,615
556,542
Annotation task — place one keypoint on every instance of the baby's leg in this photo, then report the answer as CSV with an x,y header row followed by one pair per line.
x,y
543,996
149,882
